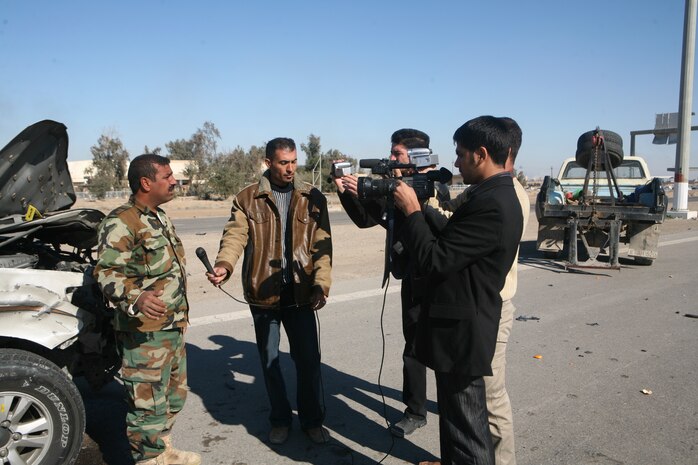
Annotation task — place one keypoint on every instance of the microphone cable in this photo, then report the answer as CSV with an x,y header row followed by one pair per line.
x,y
201,254
380,373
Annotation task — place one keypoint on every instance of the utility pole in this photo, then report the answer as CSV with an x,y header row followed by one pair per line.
x,y
683,148
317,174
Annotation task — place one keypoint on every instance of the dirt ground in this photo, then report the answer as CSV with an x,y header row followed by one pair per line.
x,y
356,253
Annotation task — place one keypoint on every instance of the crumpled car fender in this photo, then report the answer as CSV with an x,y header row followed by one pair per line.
x,y
35,305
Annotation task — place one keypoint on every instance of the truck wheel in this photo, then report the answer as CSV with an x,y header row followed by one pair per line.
x,y
42,417
585,148
643,261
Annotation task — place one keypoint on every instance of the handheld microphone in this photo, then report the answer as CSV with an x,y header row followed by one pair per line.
x,y
201,253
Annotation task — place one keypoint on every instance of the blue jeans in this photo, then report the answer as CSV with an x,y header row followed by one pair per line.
x,y
301,330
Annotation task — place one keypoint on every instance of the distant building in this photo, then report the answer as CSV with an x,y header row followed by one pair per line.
x,y
79,177
78,174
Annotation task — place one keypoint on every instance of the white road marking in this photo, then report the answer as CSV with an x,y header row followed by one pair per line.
x,y
351,296
242,314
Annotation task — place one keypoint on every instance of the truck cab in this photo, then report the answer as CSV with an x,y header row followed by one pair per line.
x,y
631,173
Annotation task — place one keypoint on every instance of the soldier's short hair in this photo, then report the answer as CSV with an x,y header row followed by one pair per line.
x,y
144,166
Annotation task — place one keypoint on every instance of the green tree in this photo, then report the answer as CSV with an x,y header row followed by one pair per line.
x,y
521,177
155,151
180,149
312,152
201,148
109,164
230,172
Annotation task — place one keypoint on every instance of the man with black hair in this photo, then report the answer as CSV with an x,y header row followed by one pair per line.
x,y
282,227
141,271
368,213
498,403
465,265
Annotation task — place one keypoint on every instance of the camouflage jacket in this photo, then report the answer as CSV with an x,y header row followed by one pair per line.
x,y
140,251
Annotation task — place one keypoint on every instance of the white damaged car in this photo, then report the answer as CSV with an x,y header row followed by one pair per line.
x,y
54,323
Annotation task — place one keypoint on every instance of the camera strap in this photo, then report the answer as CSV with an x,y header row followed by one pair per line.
x,y
390,227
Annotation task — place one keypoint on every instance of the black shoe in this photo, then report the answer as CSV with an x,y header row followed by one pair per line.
x,y
407,426
318,435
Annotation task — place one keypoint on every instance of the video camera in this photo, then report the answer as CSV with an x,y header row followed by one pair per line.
x,y
340,168
422,183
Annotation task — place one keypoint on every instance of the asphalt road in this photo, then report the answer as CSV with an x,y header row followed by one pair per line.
x,y
214,224
602,336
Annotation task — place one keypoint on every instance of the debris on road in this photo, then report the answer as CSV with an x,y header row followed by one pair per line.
x,y
646,392
526,318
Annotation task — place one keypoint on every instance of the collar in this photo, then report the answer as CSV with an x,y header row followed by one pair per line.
x,y
502,178
144,209
264,186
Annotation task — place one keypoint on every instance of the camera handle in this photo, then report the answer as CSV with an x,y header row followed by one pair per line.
x,y
390,227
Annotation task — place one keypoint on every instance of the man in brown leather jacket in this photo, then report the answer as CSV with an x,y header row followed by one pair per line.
x,y
282,226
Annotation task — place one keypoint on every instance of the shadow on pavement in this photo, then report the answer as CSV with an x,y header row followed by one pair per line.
x,y
105,441
220,377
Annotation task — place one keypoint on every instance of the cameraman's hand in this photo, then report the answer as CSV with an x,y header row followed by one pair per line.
x,y
339,182
217,279
406,199
351,184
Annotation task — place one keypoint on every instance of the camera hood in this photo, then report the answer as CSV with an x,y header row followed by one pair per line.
x,y
421,158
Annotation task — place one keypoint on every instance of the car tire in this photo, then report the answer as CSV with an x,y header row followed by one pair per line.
x,y
585,148
35,391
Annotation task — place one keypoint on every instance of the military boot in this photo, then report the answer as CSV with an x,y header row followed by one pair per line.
x,y
159,460
174,456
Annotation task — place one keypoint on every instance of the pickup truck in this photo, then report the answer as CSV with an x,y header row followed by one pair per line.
x,y
632,172
588,211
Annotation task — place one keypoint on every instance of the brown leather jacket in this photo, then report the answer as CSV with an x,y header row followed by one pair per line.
x,y
255,228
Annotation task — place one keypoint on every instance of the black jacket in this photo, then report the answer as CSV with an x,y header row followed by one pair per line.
x,y
466,265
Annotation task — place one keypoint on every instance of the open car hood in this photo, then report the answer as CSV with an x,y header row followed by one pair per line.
x,y
34,171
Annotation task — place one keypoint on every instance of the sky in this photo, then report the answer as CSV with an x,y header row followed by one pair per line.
x,y
350,72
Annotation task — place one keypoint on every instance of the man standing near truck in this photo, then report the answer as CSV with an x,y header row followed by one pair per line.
x,y
499,412
465,264
368,213
141,270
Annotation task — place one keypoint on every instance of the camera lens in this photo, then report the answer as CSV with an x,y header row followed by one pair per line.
x,y
369,188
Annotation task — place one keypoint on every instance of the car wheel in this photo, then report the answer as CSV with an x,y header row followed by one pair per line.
x,y
585,148
42,417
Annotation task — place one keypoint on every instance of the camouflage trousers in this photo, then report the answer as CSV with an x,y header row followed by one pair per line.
x,y
154,374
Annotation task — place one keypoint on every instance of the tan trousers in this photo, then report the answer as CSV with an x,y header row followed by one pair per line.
x,y
498,405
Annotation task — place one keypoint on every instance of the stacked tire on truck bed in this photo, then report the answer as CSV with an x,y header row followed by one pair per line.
x,y
587,227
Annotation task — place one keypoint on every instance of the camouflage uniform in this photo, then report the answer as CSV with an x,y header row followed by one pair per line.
x,y
140,251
